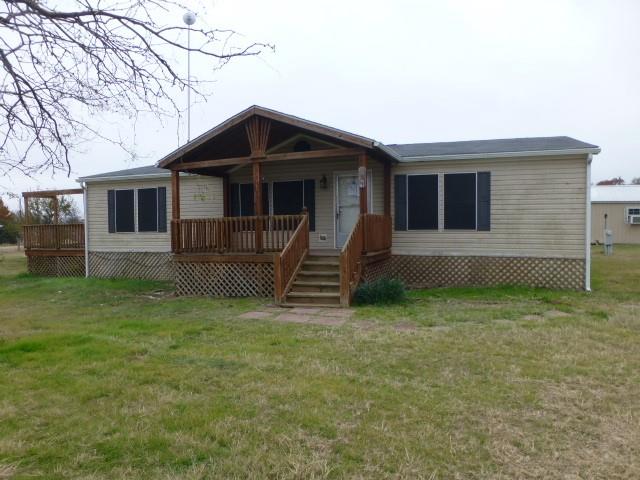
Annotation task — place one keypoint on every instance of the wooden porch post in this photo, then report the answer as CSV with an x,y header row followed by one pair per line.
x,y
26,210
56,210
257,129
387,188
364,204
225,196
257,202
175,211
362,178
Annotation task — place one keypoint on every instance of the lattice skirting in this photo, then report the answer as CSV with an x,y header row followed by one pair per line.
x,y
424,272
142,265
56,266
377,270
224,279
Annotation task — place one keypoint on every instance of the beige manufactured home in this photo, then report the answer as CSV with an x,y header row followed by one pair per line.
x,y
273,205
621,206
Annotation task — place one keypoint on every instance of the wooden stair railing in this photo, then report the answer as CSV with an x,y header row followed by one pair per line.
x,y
351,262
288,262
370,234
377,232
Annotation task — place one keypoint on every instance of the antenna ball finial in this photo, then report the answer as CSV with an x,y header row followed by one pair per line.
x,y
189,18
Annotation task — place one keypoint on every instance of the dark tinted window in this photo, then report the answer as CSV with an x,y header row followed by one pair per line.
x,y
288,198
242,199
422,200
246,200
460,201
148,210
124,211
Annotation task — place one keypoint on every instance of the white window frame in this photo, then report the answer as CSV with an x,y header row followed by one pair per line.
x,y
627,213
135,211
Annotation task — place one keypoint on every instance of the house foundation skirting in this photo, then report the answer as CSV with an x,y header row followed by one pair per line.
x,y
224,278
56,266
458,271
141,265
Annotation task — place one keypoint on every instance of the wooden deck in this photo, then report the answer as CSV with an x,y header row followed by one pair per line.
x,y
282,240
54,240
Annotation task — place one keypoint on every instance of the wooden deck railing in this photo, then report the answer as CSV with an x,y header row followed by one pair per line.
x,y
54,237
233,234
351,262
377,232
288,262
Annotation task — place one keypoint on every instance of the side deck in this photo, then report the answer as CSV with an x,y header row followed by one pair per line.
x,y
55,250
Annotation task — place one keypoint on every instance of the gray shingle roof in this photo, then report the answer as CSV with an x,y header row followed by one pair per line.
x,y
481,147
419,150
129,172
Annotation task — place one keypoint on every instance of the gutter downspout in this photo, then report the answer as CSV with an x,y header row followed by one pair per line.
x,y
587,229
86,229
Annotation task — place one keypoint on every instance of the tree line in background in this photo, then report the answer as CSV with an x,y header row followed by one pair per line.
x,y
40,212
618,181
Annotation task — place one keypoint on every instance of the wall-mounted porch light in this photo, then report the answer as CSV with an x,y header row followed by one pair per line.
x,y
323,182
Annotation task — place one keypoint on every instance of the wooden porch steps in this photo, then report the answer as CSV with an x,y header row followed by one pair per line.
x,y
317,283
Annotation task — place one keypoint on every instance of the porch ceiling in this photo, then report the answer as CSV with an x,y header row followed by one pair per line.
x,y
227,145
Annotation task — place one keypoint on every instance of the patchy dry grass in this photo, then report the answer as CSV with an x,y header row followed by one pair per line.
x,y
12,261
117,379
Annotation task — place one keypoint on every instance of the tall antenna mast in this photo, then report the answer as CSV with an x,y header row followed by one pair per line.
x,y
189,18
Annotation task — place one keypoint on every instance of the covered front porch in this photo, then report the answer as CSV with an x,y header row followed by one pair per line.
x,y
291,188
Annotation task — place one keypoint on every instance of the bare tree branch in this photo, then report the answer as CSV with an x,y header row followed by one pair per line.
x,y
60,67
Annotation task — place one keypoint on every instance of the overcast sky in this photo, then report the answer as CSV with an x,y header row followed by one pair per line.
x,y
419,71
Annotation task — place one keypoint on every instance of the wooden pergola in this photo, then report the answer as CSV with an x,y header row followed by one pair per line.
x,y
56,239
53,195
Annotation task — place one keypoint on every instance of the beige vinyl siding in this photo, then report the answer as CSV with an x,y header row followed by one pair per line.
x,y
200,196
537,209
325,201
622,232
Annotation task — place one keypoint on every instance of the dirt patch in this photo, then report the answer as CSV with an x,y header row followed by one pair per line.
x,y
255,315
309,319
556,314
336,313
366,325
405,327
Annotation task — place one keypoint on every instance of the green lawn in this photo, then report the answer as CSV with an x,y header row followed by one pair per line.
x,y
119,379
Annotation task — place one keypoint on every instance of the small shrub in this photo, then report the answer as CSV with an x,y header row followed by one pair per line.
x,y
380,292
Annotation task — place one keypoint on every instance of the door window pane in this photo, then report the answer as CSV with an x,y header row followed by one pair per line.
x,y
348,203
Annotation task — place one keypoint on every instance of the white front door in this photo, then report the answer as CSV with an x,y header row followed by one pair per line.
x,y
348,204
